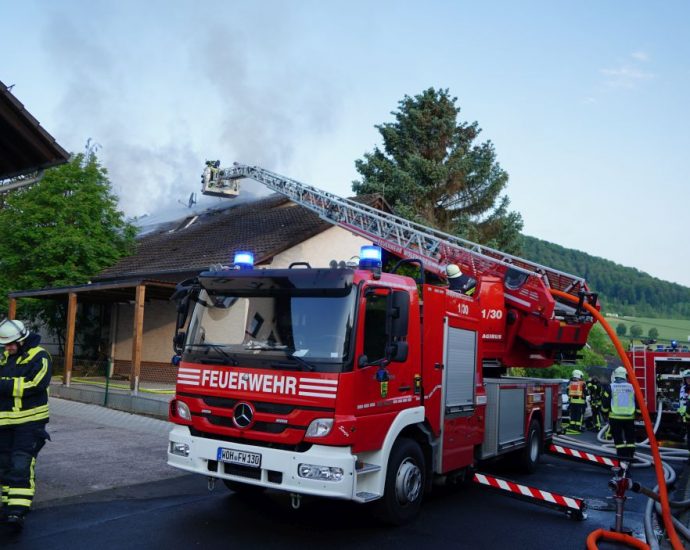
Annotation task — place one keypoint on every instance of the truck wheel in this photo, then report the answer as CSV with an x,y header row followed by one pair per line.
x,y
244,489
404,486
529,456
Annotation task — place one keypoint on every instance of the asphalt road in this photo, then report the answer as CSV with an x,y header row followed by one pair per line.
x,y
179,512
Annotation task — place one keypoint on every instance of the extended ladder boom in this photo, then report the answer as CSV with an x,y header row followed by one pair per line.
x,y
408,239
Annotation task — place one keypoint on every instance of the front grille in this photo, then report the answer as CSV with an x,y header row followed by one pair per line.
x,y
263,427
298,448
260,406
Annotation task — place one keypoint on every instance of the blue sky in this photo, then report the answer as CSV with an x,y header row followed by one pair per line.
x,y
586,102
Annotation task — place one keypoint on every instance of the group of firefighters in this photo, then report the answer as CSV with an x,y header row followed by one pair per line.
x,y
615,403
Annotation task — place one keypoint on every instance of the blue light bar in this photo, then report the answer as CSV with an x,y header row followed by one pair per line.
x,y
370,252
370,258
244,260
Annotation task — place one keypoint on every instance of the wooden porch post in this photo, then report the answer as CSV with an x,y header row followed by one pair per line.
x,y
69,338
12,308
137,338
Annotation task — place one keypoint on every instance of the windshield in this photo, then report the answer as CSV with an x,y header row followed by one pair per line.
x,y
291,332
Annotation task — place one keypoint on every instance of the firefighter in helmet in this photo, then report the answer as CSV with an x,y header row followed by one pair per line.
x,y
683,404
460,282
594,391
25,371
577,393
622,408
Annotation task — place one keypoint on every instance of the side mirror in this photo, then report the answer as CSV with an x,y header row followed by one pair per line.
x,y
182,311
397,352
178,342
398,313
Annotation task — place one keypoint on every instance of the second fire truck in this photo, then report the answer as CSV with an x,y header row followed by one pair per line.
x,y
352,383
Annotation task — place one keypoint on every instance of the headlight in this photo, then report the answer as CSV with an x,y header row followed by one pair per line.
x,y
181,449
320,427
183,410
323,473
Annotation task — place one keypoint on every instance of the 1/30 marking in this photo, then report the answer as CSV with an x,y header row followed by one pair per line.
x,y
492,314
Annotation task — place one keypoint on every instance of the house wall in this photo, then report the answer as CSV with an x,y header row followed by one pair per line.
x,y
159,316
333,244
159,329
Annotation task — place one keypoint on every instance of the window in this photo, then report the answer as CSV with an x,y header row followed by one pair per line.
x,y
375,327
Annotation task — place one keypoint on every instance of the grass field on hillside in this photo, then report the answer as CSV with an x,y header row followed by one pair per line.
x,y
669,329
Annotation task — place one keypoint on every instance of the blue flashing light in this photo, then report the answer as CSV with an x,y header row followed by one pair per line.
x,y
244,260
674,344
370,257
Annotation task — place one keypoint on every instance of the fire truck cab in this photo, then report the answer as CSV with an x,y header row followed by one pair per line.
x,y
348,383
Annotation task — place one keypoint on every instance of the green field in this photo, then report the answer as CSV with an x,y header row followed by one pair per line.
x,y
669,329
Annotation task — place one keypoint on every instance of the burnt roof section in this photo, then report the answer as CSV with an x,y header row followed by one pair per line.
x,y
24,145
266,227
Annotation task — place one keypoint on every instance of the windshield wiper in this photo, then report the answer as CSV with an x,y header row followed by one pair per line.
x,y
302,362
227,358
290,365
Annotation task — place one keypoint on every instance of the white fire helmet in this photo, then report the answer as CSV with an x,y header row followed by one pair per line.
x,y
577,374
685,373
12,331
620,372
453,271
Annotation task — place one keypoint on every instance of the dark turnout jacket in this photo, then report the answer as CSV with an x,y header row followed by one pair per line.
x,y
24,380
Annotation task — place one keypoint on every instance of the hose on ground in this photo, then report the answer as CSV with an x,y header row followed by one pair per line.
x,y
659,470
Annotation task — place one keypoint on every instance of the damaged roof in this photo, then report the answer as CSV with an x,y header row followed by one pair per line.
x,y
266,226
24,145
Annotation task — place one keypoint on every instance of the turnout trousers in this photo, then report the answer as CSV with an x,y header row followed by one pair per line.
x,y
577,411
623,433
19,447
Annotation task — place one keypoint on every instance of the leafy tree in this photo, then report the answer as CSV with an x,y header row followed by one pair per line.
x,y
636,331
432,171
621,329
60,232
653,333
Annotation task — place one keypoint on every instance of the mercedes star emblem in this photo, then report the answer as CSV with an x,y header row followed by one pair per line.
x,y
243,415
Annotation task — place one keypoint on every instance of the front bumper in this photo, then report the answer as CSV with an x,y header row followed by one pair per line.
x,y
278,468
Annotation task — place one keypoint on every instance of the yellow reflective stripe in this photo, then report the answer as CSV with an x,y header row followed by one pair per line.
x,y
19,502
11,418
16,389
32,476
37,379
16,421
25,413
29,355
22,492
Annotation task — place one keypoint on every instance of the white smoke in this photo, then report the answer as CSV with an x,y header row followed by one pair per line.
x,y
237,92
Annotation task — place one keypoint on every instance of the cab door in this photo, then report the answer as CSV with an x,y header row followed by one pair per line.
x,y
383,389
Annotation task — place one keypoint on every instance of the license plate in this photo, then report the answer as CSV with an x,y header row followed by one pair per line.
x,y
233,456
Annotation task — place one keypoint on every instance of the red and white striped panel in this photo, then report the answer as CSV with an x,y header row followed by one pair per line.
x,y
537,494
582,455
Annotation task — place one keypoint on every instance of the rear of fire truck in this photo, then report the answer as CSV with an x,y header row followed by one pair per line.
x,y
658,369
339,383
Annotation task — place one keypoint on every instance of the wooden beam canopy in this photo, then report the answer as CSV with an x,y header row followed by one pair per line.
x,y
69,337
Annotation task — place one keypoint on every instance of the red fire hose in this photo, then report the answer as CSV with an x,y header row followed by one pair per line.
x,y
663,493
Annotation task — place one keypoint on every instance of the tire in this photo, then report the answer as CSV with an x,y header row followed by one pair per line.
x,y
404,487
529,456
243,488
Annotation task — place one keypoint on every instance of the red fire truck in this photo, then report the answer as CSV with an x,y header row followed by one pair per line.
x,y
658,368
351,383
